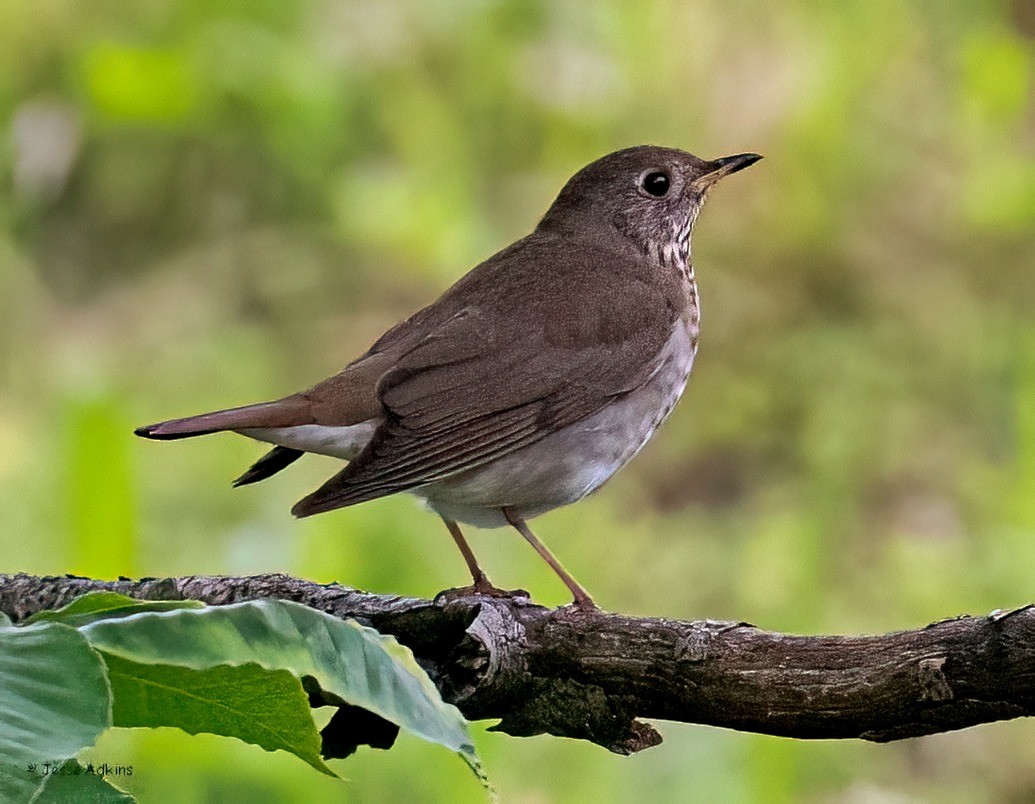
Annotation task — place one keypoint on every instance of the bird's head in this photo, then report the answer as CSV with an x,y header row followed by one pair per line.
x,y
650,195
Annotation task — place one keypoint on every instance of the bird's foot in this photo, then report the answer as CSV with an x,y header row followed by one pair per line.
x,y
481,587
584,603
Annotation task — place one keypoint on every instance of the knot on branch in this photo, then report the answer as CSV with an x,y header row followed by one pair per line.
x,y
934,686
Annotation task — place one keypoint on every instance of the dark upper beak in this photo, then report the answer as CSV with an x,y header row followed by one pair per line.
x,y
724,166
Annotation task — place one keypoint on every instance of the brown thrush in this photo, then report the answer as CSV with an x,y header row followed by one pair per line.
x,y
529,382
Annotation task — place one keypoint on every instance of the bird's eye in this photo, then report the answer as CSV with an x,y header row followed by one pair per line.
x,y
656,183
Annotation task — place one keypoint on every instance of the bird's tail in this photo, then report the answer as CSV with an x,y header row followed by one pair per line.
x,y
269,464
287,412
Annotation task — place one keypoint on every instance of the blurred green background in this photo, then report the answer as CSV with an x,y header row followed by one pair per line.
x,y
204,204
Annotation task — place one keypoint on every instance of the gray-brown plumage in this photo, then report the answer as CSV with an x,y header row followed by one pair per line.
x,y
528,383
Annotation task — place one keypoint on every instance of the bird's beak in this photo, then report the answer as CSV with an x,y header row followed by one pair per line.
x,y
724,166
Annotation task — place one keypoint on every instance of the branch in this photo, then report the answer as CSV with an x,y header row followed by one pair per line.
x,y
589,675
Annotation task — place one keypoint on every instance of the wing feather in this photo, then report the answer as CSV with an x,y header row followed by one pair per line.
x,y
486,382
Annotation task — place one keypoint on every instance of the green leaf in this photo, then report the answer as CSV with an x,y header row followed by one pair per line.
x,y
265,707
54,701
75,783
357,664
104,605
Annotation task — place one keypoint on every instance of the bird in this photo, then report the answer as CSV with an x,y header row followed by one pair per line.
x,y
527,384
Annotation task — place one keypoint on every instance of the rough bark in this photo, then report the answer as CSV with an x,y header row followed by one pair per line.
x,y
591,674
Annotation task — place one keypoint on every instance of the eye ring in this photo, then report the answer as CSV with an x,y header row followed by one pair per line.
x,y
656,183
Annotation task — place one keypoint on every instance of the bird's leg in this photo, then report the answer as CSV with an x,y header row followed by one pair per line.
x,y
482,584
582,598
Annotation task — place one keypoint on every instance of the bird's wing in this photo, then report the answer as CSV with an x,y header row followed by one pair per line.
x,y
503,373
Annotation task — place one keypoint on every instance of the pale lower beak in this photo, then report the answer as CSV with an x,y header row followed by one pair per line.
x,y
724,166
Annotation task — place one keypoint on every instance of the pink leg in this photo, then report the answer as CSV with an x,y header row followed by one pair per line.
x,y
481,580
582,598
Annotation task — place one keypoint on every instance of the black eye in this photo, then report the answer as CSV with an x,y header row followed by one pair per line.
x,y
656,183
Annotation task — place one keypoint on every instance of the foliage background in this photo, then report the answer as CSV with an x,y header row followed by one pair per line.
x,y
209,203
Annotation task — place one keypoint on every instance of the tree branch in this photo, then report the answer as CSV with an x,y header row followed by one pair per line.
x,y
589,675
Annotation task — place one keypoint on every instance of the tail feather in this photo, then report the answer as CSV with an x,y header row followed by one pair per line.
x,y
285,412
269,464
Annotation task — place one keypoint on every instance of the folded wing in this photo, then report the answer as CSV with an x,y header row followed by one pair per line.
x,y
487,382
